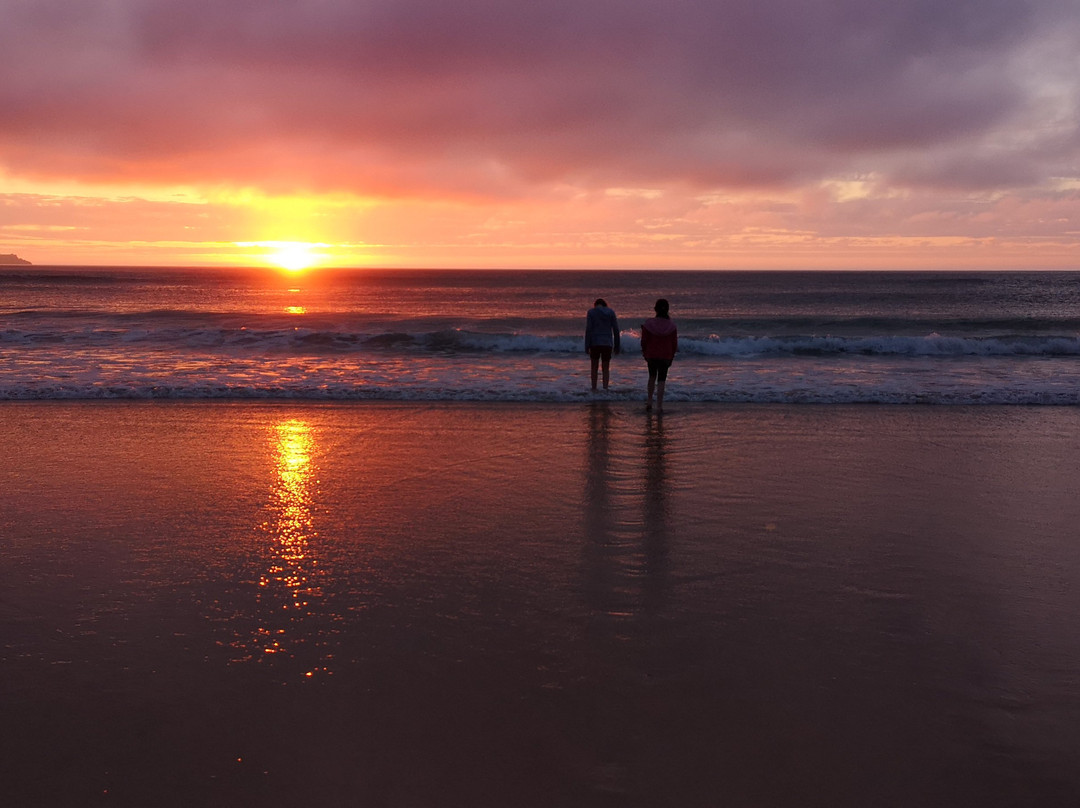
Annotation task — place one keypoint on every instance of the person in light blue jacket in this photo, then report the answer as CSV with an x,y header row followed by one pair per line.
x,y
601,338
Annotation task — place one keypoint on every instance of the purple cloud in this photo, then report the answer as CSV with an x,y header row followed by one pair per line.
x,y
489,98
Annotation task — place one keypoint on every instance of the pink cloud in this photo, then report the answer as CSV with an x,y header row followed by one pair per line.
x,y
489,98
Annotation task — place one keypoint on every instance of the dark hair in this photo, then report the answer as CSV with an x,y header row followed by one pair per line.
x,y
600,302
661,308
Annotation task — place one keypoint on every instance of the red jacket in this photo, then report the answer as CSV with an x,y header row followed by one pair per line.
x,y
659,338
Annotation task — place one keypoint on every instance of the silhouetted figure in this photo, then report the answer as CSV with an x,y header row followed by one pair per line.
x,y
601,338
659,343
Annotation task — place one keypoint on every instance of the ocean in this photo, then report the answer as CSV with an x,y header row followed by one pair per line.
x,y
440,335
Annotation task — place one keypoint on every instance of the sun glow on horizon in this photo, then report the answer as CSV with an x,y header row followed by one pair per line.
x,y
292,256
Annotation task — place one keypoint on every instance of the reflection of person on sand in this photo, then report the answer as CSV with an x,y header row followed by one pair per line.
x,y
654,522
659,343
601,337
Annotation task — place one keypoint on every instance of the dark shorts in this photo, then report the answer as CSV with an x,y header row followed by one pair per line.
x,y
600,352
658,368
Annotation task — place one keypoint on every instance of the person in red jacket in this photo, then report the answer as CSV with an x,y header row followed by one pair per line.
x,y
659,343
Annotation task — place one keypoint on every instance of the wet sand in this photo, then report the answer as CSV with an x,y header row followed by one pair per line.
x,y
221,604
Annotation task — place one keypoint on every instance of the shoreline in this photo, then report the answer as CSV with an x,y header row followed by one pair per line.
x,y
625,403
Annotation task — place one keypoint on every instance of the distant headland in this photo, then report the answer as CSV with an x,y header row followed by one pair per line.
x,y
13,260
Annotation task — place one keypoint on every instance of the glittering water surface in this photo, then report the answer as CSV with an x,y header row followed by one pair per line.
x,y
466,604
790,337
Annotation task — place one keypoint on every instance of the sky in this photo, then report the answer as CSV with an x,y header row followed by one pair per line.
x,y
707,134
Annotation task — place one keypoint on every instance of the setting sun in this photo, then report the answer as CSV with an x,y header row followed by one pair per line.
x,y
292,256
295,256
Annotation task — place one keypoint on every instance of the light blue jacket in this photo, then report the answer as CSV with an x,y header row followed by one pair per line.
x,y
601,328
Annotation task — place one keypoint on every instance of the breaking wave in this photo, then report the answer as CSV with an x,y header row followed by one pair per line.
x,y
308,340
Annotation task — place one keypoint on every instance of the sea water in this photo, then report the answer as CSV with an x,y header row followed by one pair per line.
x,y
796,337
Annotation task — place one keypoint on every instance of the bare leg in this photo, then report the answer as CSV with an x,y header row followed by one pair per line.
x,y
607,362
595,357
659,396
652,385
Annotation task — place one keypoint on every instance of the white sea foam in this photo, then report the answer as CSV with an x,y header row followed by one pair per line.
x,y
455,340
823,382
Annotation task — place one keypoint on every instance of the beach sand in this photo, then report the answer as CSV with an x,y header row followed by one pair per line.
x,y
226,604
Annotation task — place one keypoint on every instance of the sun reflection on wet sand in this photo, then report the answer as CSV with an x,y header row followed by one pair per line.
x,y
294,526
290,588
